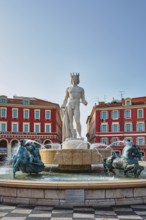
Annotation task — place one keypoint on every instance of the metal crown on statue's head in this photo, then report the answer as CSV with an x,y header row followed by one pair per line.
x,y
75,76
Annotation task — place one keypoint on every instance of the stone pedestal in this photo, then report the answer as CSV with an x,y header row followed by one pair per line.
x,y
75,144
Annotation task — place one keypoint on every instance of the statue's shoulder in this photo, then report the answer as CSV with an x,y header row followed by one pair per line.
x,y
81,89
68,88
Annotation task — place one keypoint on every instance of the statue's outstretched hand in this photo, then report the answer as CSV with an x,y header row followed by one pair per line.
x,y
63,106
85,103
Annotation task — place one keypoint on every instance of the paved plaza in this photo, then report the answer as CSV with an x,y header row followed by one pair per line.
x,y
21,212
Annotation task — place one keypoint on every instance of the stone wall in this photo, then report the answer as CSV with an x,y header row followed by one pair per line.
x,y
73,194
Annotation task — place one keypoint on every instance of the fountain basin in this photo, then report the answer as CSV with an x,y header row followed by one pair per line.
x,y
69,194
74,159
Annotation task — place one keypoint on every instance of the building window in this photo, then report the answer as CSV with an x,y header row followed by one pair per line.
x,y
3,112
36,127
115,114
47,114
26,102
140,126
3,100
47,128
115,127
128,102
14,127
37,114
128,127
25,127
26,113
127,114
139,113
104,115
104,141
14,113
104,127
3,126
140,140
114,141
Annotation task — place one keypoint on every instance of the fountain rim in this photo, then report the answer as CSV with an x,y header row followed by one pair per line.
x,y
115,184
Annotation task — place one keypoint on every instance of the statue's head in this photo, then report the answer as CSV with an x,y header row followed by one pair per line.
x,y
22,142
75,78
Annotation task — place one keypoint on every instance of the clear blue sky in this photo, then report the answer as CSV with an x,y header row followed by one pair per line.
x,y
42,41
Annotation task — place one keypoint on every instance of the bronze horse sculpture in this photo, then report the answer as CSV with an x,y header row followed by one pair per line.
x,y
27,159
128,162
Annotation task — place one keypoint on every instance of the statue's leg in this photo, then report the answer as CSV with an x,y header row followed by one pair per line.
x,y
108,166
112,171
105,166
139,170
15,166
70,115
14,171
130,168
77,120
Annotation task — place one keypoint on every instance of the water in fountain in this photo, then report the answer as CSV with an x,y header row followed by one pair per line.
x,y
52,174
52,146
75,144
110,146
116,142
44,146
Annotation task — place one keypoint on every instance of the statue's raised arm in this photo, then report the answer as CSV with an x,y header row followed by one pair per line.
x,y
71,107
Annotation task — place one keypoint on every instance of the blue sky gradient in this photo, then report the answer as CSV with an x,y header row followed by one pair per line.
x,y
42,41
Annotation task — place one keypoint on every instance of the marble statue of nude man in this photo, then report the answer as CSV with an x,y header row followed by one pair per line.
x,y
71,107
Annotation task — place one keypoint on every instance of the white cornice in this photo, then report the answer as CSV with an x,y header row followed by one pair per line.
x,y
126,134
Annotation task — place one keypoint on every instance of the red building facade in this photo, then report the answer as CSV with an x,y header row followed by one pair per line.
x,y
28,118
117,121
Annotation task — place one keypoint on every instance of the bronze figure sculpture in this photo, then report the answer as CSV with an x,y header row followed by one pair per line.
x,y
128,162
27,159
